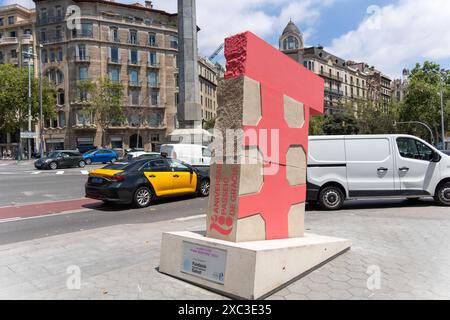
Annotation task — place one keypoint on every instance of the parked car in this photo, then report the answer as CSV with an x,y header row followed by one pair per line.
x,y
353,167
193,154
86,148
141,154
101,155
61,159
143,180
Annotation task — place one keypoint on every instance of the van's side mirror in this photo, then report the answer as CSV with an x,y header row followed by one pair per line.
x,y
436,157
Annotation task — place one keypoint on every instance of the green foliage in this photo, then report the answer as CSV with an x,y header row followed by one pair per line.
x,y
104,103
422,100
14,98
316,126
209,124
373,120
344,123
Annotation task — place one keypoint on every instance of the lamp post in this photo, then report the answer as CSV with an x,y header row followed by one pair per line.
x,y
442,112
28,54
41,113
420,123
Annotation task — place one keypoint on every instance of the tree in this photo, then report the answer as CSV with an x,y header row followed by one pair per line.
x,y
316,125
422,99
343,123
104,102
14,98
209,124
373,120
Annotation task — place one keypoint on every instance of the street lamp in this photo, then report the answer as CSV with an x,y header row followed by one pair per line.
x,y
420,123
28,54
442,110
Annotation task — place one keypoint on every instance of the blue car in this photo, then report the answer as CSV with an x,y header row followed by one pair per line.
x,y
101,155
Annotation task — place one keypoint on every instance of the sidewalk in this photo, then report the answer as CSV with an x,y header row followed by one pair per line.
x,y
408,245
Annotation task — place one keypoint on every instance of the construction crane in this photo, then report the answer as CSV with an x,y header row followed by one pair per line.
x,y
216,53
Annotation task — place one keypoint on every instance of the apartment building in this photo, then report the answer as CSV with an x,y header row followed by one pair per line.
x,y
347,83
17,35
208,75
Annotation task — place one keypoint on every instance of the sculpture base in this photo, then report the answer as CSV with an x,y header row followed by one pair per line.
x,y
246,270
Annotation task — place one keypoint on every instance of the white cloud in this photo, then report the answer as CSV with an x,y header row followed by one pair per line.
x,y
399,35
25,3
219,19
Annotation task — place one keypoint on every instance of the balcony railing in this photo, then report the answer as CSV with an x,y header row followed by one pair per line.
x,y
8,40
334,91
132,83
52,40
133,62
83,59
153,44
153,64
49,19
153,84
114,61
331,76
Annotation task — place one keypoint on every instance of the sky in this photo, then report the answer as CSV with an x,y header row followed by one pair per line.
x,y
387,34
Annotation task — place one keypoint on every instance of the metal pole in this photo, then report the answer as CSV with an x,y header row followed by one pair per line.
x,y
41,113
423,124
29,101
442,115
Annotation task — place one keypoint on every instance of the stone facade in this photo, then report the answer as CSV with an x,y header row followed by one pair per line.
x,y
208,75
17,35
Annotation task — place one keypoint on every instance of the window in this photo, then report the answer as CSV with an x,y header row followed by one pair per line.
x,y
114,31
153,79
82,118
414,149
114,74
134,77
13,54
1,57
43,36
60,54
156,166
44,57
206,152
291,43
86,30
82,51
152,58
58,34
62,119
321,69
152,39
134,97
178,166
59,14
114,54
154,120
154,137
134,57
52,55
133,37
116,143
1,22
174,42
154,98
83,73
60,98
11,20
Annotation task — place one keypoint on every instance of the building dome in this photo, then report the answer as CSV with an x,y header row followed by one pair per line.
x,y
292,38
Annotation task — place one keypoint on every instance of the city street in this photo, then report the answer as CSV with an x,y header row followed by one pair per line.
x,y
116,248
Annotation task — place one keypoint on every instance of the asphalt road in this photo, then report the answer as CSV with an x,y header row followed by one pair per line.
x,y
22,183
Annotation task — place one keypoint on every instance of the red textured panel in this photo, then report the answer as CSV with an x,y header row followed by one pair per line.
x,y
278,75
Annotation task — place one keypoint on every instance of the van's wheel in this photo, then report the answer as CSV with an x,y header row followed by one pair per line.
x,y
443,194
204,188
142,197
331,198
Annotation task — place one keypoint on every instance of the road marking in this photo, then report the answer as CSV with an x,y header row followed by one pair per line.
x,y
60,172
84,172
191,218
36,172
47,215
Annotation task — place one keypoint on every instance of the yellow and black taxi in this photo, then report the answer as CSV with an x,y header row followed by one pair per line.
x,y
140,181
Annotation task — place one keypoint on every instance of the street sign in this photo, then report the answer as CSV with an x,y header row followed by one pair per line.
x,y
204,262
28,135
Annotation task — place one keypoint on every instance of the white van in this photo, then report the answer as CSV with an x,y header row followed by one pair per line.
x,y
354,167
193,154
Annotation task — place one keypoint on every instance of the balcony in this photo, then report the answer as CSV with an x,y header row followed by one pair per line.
x,y
83,59
331,76
154,85
134,63
8,40
52,40
153,44
334,92
49,19
27,39
153,65
135,84
114,61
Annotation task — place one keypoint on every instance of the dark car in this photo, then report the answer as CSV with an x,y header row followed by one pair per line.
x,y
142,180
61,159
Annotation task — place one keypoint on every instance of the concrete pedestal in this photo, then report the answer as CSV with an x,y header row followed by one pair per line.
x,y
252,270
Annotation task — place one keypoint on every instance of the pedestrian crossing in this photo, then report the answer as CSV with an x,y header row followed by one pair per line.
x,y
60,172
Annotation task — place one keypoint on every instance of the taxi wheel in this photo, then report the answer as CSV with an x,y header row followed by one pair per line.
x,y
142,197
204,188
